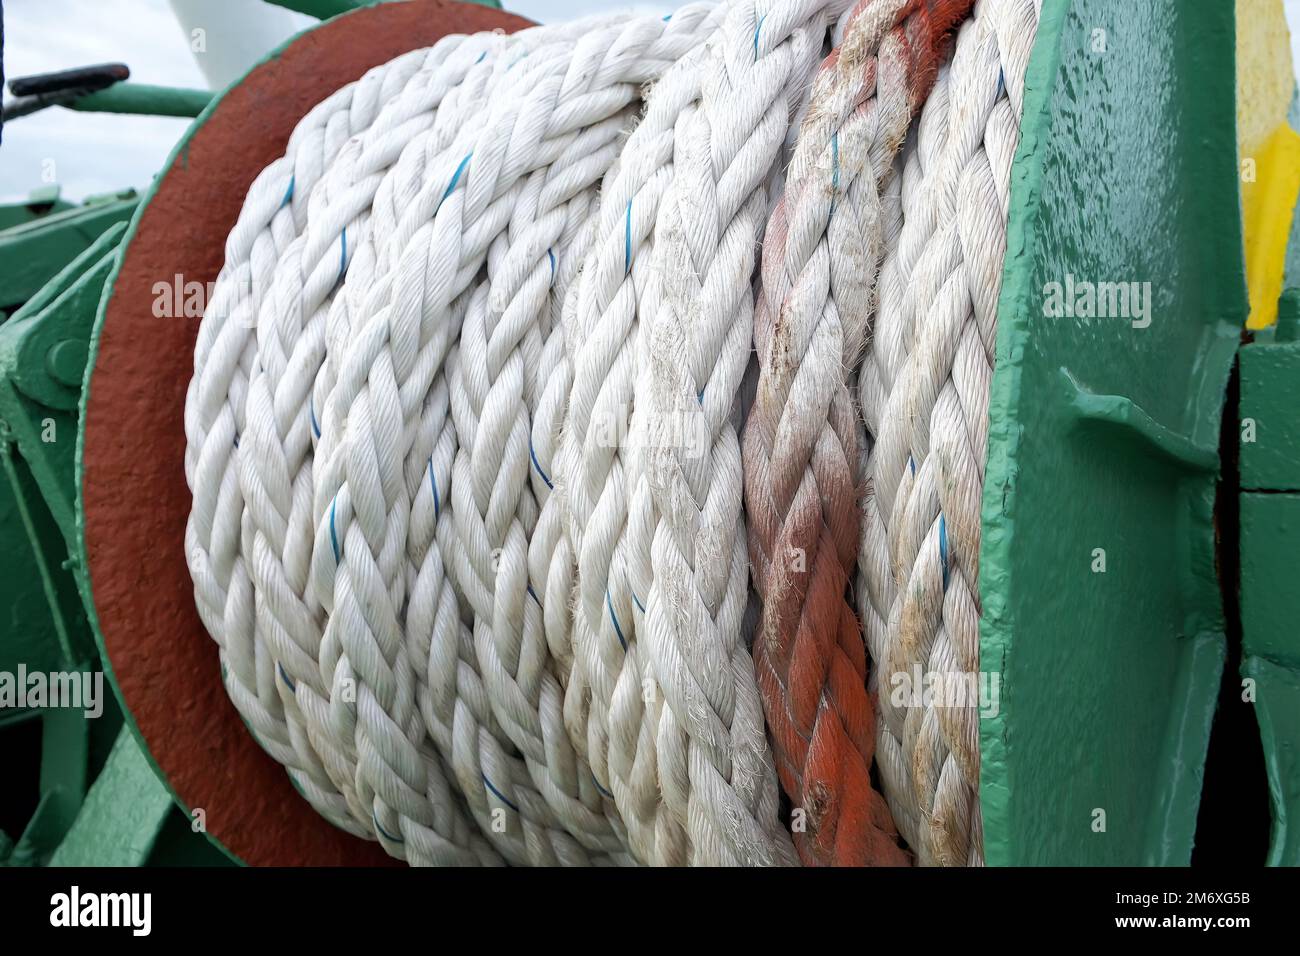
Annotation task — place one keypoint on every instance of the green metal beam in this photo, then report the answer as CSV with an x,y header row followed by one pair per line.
x,y
39,409
144,98
41,202
1277,708
122,815
1270,397
55,627
1271,653
320,9
42,350
1270,522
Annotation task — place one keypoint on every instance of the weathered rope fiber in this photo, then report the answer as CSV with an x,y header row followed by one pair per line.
x,y
924,393
377,777
545,122
464,435
274,214
495,391
605,683
631,708
824,244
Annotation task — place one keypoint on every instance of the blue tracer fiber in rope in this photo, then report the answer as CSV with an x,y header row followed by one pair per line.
x,y
385,833
627,240
538,465
334,538
499,794
943,549
433,485
614,617
455,178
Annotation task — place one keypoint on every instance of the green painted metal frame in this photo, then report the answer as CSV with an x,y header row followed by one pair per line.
x,y
42,356
1270,522
1269,453
38,425
129,819
1105,436
43,348
122,815
40,202
43,352
33,253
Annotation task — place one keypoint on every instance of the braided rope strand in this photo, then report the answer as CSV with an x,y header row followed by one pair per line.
x,y
825,240
929,458
606,694
714,764
513,651
432,828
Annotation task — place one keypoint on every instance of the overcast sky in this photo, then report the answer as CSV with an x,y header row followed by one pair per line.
x,y
90,153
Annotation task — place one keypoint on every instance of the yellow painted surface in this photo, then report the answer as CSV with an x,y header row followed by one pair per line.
x,y
1268,148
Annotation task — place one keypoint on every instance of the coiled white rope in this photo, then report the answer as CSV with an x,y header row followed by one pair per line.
x,y
463,445
631,59
274,214
589,512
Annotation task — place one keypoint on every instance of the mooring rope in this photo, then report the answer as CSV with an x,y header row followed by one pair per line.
x,y
823,249
495,385
924,395
600,657
686,542
274,214
470,511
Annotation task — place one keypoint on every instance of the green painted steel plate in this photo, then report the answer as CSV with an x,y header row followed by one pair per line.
x,y
1271,646
33,253
1103,437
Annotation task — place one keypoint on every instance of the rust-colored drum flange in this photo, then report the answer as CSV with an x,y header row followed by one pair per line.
x,y
134,500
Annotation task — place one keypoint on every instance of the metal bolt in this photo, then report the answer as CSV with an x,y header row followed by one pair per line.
x,y
66,361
